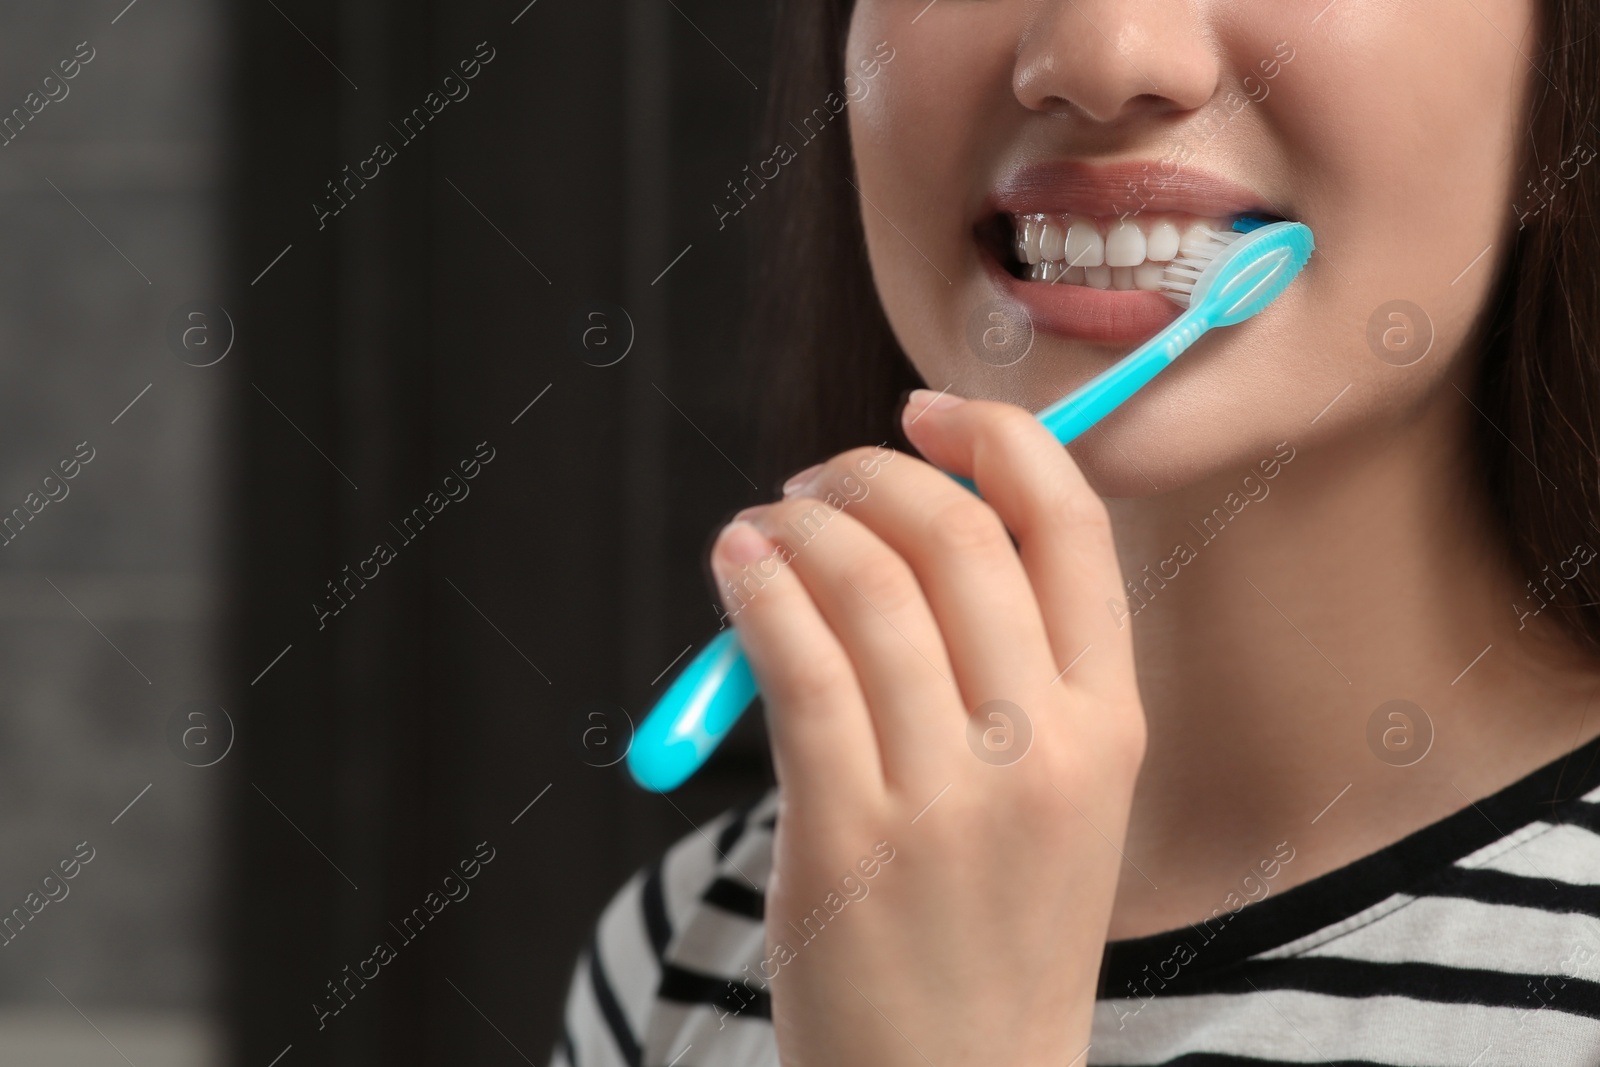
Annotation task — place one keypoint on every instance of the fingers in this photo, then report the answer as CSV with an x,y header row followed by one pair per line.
x,y
824,747
1060,523
958,549
885,623
870,598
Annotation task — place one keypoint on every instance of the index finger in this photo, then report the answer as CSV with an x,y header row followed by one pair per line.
x,y
1062,529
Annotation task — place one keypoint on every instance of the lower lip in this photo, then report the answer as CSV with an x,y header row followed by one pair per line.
x,y
1110,316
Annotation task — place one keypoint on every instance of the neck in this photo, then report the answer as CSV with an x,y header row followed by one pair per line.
x,y
1360,573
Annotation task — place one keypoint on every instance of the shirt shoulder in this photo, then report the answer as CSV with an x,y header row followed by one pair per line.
x,y
1474,941
662,969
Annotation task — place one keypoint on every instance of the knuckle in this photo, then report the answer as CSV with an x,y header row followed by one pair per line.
x,y
1063,500
1012,431
1109,750
1125,747
967,526
1077,507
796,521
1130,759
885,582
1016,428
808,686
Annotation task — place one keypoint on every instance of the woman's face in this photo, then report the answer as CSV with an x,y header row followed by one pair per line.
x,y
1390,129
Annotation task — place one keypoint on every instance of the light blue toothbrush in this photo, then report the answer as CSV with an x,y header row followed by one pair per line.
x,y
1232,277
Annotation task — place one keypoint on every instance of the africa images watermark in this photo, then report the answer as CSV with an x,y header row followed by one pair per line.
x,y
1580,963
1256,91
854,889
1210,528
814,123
410,528
384,952
12,125
55,490
1256,886
1541,196
1582,554
11,926
383,153
754,576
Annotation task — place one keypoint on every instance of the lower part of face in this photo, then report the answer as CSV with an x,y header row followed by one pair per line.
x,y
1390,129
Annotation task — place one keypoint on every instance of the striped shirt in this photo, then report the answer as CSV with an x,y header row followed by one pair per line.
x,y
1472,941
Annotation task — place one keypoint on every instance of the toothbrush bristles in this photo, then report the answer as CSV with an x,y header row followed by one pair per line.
x,y
1183,273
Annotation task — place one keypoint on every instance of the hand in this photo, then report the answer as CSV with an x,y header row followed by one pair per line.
x,y
934,898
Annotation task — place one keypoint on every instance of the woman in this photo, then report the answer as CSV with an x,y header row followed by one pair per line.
x,y
1254,727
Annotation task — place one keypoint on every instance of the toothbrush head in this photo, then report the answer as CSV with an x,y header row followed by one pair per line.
x,y
1237,274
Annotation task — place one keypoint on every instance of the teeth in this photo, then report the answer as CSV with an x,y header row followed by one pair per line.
x,y
1162,244
1148,275
1124,245
1121,254
1052,242
1085,246
1194,237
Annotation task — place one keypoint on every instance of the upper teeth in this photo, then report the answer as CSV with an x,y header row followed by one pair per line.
x,y
1118,253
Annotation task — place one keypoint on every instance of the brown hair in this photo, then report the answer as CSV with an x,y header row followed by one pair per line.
x,y
1539,383
831,375
830,370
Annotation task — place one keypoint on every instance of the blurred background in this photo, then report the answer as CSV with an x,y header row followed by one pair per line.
x,y
372,396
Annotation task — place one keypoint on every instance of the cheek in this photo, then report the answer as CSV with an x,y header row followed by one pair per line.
x,y
1402,130
921,138
1395,134
1408,143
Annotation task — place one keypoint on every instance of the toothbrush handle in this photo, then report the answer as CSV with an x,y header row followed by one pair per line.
x,y
1092,401
693,715
706,699
1105,392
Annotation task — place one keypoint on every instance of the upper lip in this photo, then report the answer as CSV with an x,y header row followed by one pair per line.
x,y
1072,187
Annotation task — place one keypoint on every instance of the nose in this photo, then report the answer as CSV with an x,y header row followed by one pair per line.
x,y
1111,60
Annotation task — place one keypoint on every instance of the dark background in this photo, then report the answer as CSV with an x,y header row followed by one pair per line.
x,y
421,321
368,357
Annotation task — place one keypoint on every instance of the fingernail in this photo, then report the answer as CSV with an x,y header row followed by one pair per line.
x,y
800,481
922,401
741,543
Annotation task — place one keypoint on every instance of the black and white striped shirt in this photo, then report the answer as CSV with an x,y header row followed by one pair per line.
x,y
1472,941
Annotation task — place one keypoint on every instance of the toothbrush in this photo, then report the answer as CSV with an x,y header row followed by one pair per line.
x,y
1225,281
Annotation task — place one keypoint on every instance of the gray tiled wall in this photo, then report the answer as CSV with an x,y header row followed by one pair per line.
x,y
109,598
